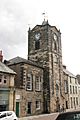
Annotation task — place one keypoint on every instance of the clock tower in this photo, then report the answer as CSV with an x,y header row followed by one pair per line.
x,y
44,48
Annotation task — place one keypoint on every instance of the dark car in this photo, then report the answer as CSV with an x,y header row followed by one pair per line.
x,y
73,115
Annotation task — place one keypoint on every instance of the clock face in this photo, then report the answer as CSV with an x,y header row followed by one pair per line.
x,y
55,37
37,36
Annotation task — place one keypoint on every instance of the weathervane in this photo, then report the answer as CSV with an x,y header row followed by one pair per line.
x,y
45,15
29,25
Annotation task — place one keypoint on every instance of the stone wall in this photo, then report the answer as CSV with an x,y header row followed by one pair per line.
x,y
50,56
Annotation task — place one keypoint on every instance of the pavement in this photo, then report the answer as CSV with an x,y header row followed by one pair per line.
x,y
51,116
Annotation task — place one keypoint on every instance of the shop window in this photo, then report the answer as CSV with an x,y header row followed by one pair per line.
x,y
70,89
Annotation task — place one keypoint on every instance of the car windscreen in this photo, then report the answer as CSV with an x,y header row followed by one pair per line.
x,y
9,113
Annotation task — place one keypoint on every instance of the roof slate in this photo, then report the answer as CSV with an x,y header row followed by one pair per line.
x,y
69,73
18,59
6,69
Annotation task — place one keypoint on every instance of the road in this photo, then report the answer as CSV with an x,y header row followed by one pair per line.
x,y
51,116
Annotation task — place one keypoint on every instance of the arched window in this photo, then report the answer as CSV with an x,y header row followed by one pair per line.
x,y
57,90
37,44
55,45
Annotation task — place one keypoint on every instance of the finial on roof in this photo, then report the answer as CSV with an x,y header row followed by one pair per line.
x,y
45,22
29,27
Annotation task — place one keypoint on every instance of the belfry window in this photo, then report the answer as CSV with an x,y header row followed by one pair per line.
x,y
55,46
37,44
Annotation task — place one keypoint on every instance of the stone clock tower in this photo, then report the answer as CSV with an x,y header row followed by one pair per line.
x,y
44,47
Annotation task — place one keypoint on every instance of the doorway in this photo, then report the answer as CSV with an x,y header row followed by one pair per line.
x,y
17,109
29,108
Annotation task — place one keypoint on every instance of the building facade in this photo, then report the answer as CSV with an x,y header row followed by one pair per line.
x,y
44,47
78,78
42,84
71,89
29,87
7,89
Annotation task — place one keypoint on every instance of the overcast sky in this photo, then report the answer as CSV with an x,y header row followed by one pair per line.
x,y
17,15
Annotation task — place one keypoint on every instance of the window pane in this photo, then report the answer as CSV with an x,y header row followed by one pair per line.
x,y
29,82
0,78
4,81
38,83
37,45
37,104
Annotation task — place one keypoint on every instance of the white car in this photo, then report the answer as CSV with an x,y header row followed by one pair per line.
x,y
8,115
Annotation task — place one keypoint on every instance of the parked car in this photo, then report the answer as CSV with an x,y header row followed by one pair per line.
x,y
73,115
8,115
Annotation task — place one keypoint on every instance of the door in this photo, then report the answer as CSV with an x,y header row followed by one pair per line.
x,y
29,108
17,109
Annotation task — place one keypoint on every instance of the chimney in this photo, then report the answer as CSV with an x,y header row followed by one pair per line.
x,y
1,56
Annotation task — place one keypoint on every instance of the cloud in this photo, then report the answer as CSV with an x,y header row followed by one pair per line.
x,y
12,28
15,15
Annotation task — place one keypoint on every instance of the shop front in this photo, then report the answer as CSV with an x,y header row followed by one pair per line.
x,y
4,100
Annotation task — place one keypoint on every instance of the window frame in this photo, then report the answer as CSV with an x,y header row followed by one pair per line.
x,y
66,86
37,44
70,89
29,82
1,79
5,79
38,104
37,83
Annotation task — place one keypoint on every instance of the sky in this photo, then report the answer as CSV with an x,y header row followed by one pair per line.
x,y
16,16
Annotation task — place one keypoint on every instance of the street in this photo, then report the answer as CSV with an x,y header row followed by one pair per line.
x,y
51,116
